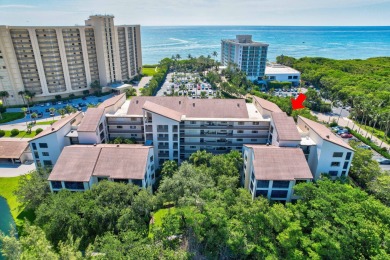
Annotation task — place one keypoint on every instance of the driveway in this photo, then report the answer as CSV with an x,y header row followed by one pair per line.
x,y
14,170
141,84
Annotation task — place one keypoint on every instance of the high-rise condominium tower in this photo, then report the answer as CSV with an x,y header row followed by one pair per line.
x,y
61,60
250,56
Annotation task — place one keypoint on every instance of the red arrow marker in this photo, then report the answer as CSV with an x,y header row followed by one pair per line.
x,y
298,103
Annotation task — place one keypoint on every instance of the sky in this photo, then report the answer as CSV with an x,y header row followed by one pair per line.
x,y
199,12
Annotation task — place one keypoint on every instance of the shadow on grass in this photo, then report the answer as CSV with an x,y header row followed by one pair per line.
x,y
28,215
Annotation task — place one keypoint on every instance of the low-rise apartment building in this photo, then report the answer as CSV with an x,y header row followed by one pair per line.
x,y
282,73
81,166
281,153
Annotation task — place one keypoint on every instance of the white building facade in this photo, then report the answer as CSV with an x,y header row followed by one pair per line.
x,y
250,56
281,73
63,60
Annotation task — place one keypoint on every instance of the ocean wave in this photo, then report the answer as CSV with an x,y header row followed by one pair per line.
x,y
179,40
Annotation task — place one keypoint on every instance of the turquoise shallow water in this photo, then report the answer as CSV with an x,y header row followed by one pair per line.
x,y
296,41
6,219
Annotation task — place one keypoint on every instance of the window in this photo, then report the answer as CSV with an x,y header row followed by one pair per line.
x,y
56,184
279,194
295,77
137,182
240,132
74,185
47,162
45,154
336,154
289,77
345,165
253,140
252,176
101,127
281,184
343,173
241,123
262,193
42,145
36,154
333,173
255,123
34,146
239,140
119,126
335,164
262,184
348,157
193,122
121,180
151,158
254,132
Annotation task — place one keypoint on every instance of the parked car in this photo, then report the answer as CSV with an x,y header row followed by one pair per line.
x,y
346,135
42,104
82,105
47,104
336,128
342,131
47,110
79,109
53,103
40,115
364,146
383,161
59,103
84,98
52,114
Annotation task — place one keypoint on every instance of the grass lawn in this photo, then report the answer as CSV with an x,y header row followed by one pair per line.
x,y
46,122
22,134
11,116
149,71
8,186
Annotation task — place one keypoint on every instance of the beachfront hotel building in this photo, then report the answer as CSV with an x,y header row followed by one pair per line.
x,y
64,60
250,56
277,152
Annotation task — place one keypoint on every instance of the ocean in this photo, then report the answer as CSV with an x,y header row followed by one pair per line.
x,y
358,42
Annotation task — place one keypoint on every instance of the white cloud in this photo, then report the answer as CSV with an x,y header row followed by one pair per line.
x,y
17,6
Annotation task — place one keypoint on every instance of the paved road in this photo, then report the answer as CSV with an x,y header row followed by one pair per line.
x,y
42,108
13,170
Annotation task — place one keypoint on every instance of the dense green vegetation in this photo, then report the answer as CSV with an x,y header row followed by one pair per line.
x,y
208,216
158,79
10,116
362,84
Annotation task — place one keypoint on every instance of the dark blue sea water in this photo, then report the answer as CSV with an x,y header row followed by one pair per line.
x,y
296,41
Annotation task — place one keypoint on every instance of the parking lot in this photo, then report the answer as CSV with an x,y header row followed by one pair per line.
x,y
43,109
188,84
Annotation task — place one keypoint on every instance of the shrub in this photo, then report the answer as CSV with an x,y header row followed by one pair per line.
x,y
86,92
2,109
279,84
14,132
367,141
38,130
333,123
58,97
2,133
72,96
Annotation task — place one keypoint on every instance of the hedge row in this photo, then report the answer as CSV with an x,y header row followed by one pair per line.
x,y
279,84
381,151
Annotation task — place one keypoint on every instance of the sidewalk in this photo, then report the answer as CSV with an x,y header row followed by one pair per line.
x,y
346,122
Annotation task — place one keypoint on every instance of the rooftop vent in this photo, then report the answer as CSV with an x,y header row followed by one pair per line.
x,y
328,136
267,144
193,104
136,101
117,145
52,129
179,102
94,144
238,104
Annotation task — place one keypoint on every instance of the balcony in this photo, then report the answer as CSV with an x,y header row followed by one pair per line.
x,y
149,129
162,138
163,147
163,155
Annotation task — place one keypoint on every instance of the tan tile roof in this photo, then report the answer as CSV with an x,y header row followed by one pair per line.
x,y
12,149
111,101
285,127
164,111
123,162
76,163
80,162
57,125
267,105
194,108
91,119
279,163
324,132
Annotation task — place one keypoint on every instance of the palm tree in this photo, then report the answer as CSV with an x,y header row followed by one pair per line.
x,y
4,95
189,56
52,111
62,112
178,57
215,54
24,110
33,117
21,93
